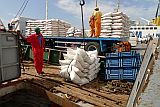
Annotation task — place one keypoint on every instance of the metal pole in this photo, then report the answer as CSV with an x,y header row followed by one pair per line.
x,y
118,5
157,9
82,2
82,21
46,9
96,3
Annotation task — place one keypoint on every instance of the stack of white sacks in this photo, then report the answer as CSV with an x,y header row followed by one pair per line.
x,y
115,24
80,66
73,32
52,27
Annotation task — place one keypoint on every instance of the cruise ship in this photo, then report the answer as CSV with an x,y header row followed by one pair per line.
x,y
145,32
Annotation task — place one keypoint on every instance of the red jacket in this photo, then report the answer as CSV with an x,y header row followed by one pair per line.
x,y
38,51
33,39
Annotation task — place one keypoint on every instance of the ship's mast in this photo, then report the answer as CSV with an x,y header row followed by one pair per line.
x,y
118,5
46,9
96,3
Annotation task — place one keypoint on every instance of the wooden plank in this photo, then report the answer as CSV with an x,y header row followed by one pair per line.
x,y
111,97
107,96
103,99
118,99
141,75
87,98
76,92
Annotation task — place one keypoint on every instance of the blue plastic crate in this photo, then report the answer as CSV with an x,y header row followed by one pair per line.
x,y
121,74
129,74
129,62
113,63
128,54
122,66
122,62
113,74
112,55
126,59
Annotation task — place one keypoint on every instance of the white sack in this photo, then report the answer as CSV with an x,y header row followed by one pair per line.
x,y
68,56
107,21
97,61
106,18
93,53
84,81
65,62
87,59
65,74
106,24
92,66
85,70
71,51
75,78
98,66
117,17
77,64
92,71
78,72
92,77
116,14
107,14
81,61
64,67
84,54
92,59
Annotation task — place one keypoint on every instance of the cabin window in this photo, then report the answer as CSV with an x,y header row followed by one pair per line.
x,y
147,28
135,28
155,27
131,28
139,28
151,28
142,28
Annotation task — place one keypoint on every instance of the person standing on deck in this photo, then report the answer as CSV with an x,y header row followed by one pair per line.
x,y
92,26
97,16
127,46
37,43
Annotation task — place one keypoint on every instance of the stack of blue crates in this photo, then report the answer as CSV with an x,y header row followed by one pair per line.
x,y
122,66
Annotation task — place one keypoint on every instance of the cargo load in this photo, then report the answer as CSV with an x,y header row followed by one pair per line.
x,y
115,24
52,27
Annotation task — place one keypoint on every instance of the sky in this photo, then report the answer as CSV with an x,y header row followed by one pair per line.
x,y
69,10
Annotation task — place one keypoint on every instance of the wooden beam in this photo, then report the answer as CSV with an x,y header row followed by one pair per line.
x,y
86,96
138,85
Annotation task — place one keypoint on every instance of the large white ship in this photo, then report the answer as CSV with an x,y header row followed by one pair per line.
x,y
145,32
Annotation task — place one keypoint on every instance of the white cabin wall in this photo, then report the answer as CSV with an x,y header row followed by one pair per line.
x,y
143,32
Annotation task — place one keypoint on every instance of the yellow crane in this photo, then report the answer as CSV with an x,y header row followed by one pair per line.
x,y
156,20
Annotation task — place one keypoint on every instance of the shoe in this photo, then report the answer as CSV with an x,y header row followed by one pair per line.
x,y
41,74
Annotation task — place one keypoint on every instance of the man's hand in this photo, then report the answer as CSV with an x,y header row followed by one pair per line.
x,y
18,32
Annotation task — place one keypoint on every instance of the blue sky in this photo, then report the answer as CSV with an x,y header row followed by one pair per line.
x,y
69,10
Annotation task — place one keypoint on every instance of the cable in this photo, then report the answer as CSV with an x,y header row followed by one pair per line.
x,y
157,9
20,8
24,8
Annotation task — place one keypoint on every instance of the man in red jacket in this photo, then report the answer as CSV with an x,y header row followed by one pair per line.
x,y
37,43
